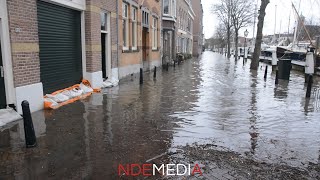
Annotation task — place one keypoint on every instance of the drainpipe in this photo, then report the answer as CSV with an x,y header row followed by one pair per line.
x,y
117,4
161,34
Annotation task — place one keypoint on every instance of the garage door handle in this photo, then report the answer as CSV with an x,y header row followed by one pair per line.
x,y
1,71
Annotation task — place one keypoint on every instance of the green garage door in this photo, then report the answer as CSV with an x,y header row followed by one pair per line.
x,y
60,46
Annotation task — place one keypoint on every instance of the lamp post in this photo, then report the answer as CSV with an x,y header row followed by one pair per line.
x,y
245,41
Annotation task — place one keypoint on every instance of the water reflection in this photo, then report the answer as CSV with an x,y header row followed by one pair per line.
x,y
281,90
274,128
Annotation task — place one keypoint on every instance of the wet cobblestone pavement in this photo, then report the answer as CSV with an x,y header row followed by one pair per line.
x,y
210,111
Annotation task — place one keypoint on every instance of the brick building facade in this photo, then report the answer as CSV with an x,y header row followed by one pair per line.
x,y
139,35
47,45
185,18
169,30
197,27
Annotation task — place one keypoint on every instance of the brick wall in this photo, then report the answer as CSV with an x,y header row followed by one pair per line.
x,y
23,29
130,57
93,33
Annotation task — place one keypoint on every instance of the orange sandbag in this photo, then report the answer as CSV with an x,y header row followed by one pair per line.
x,y
49,105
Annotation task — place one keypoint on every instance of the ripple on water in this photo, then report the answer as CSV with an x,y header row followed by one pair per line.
x,y
241,111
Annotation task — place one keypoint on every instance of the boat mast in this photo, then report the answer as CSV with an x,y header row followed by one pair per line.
x,y
275,21
302,24
289,24
296,27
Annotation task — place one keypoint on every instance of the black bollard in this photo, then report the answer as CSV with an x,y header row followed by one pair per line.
x,y
266,72
306,78
30,136
141,76
277,78
310,79
167,66
174,64
155,72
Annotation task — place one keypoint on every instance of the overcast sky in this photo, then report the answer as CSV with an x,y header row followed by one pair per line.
x,y
283,9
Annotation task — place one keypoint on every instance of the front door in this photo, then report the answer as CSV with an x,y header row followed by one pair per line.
x,y
145,44
3,102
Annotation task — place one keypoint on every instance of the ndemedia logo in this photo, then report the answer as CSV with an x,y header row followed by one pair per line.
x,y
163,169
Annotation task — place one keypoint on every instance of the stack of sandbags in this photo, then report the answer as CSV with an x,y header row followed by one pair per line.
x,y
68,95
110,83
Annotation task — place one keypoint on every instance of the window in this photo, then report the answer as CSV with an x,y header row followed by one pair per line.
x,y
145,19
134,28
125,29
104,17
169,7
173,6
155,34
166,6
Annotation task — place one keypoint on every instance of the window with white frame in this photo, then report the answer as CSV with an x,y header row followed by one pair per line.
x,y
145,19
103,18
134,28
169,7
155,33
125,26
173,7
189,25
166,7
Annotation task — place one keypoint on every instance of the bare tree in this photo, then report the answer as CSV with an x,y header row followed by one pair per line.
x,y
220,36
257,49
223,11
241,15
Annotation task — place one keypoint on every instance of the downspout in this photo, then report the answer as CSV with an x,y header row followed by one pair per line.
x,y
117,4
161,34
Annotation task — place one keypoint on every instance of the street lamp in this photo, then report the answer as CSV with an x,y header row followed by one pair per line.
x,y
245,41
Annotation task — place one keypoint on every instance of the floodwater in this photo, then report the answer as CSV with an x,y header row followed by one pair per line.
x,y
210,100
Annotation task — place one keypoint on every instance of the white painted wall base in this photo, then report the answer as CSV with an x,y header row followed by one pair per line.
x,y
149,65
155,63
33,94
131,69
115,73
95,78
6,54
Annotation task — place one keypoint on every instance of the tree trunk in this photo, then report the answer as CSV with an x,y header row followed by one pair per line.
x,y
257,48
236,43
228,39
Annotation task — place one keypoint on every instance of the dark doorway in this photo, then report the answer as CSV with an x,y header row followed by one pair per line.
x,y
145,44
3,102
103,55
60,46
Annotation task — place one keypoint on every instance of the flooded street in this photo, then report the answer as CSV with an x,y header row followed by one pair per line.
x,y
210,103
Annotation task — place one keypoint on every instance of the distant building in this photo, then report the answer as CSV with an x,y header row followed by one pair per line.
x,y
185,18
169,30
198,40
